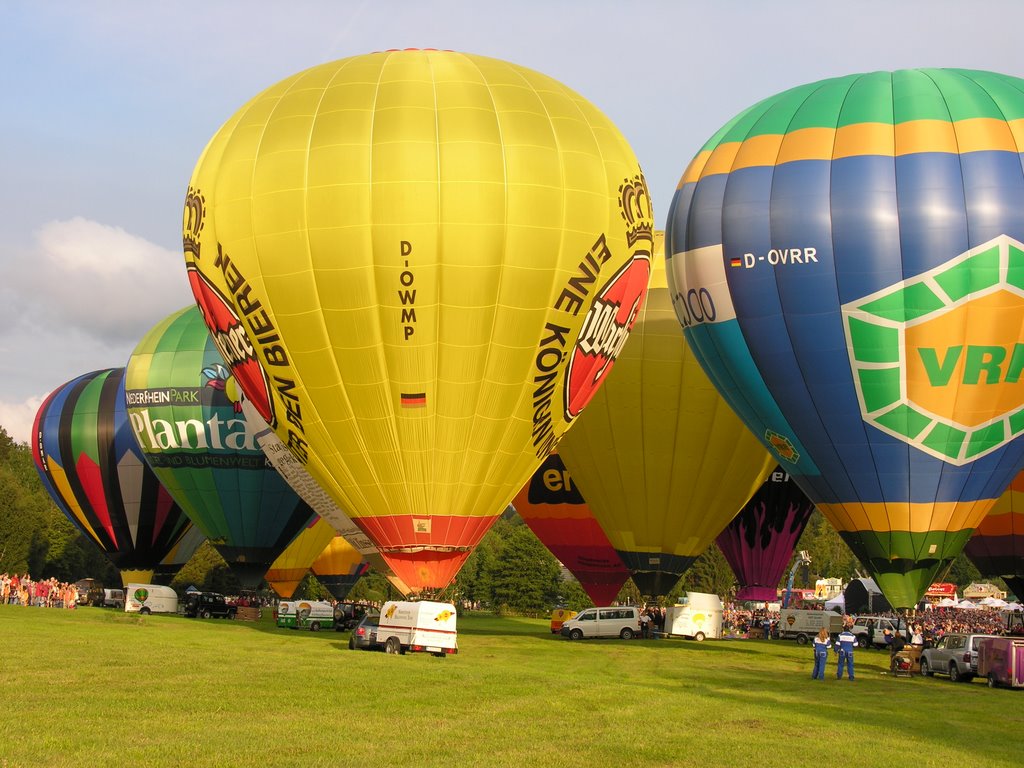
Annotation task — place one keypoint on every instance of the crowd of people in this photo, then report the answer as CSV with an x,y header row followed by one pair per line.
x,y
931,625
738,621
44,593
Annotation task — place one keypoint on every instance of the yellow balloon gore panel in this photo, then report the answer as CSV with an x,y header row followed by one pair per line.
x,y
292,565
662,460
420,265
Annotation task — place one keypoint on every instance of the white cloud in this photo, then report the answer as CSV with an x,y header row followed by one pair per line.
x,y
96,279
17,418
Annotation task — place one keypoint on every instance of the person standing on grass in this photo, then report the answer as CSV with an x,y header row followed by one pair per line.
x,y
844,649
645,624
821,644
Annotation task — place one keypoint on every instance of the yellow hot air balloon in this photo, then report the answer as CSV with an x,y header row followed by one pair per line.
x,y
659,456
292,565
339,566
420,266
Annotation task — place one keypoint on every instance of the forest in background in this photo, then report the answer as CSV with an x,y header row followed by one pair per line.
x,y
509,572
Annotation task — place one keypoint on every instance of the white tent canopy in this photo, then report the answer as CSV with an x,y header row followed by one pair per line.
x,y
993,602
839,601
947,602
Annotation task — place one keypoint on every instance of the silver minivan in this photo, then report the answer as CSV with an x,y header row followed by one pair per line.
x,y
610,621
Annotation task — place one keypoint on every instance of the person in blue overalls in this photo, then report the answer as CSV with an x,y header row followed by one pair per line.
x,y
844,649
821,644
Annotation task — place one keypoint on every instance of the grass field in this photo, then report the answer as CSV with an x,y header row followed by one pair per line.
x,y
95,687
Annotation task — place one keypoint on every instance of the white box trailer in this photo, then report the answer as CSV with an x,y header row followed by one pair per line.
x,y
698,616
803,625
422,625
149,598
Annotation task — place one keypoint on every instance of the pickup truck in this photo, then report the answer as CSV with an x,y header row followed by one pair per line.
x,y
205,605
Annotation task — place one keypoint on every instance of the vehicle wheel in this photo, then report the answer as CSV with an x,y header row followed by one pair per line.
x,y
926,671
862,641
314,627
801,639
204,615
144,611
392,646
626,633
954,673
699,637
351,644
576,634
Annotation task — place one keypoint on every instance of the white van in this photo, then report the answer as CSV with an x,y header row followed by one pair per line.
x,y
313,615
149,598
607,621
418,626
698,615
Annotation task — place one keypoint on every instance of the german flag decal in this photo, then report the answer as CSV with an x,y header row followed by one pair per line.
x,y
415,400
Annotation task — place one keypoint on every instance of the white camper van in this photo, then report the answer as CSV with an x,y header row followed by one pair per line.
x,y
697,616
149,598
605,621
418,626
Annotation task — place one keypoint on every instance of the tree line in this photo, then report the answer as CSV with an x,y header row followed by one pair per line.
x,y
509,572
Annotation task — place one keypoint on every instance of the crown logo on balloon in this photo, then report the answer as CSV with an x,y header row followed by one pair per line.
x,y
635,207
193,221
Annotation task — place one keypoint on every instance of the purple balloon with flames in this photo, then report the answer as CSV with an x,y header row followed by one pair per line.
x,y
759,542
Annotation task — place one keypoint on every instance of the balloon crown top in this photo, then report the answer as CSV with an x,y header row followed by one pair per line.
x,y
399,50
635,207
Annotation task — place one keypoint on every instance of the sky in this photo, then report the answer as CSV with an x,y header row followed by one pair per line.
x,y
109,105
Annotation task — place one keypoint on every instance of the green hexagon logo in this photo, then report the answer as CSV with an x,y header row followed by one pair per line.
x,y
938,360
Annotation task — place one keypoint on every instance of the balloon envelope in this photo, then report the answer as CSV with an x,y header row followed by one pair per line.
x,y
660,458
845,260
419,264
292,565
179,555
295,474
553,507
997,546
91,465
760,540
183,407
339,566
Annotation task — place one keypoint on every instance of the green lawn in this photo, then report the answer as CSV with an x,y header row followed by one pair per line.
x,y
95,687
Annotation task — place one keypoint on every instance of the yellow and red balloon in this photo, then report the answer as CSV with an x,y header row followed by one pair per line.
x,y
419,265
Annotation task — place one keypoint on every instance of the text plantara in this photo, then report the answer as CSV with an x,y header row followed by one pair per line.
x,y
216,433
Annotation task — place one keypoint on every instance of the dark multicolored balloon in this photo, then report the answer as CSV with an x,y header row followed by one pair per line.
x,y
760,540
184,410
553,507
179,555
997,546
847,261
93,468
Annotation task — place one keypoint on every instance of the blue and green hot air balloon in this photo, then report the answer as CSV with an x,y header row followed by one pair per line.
x,y
185,412
847,261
